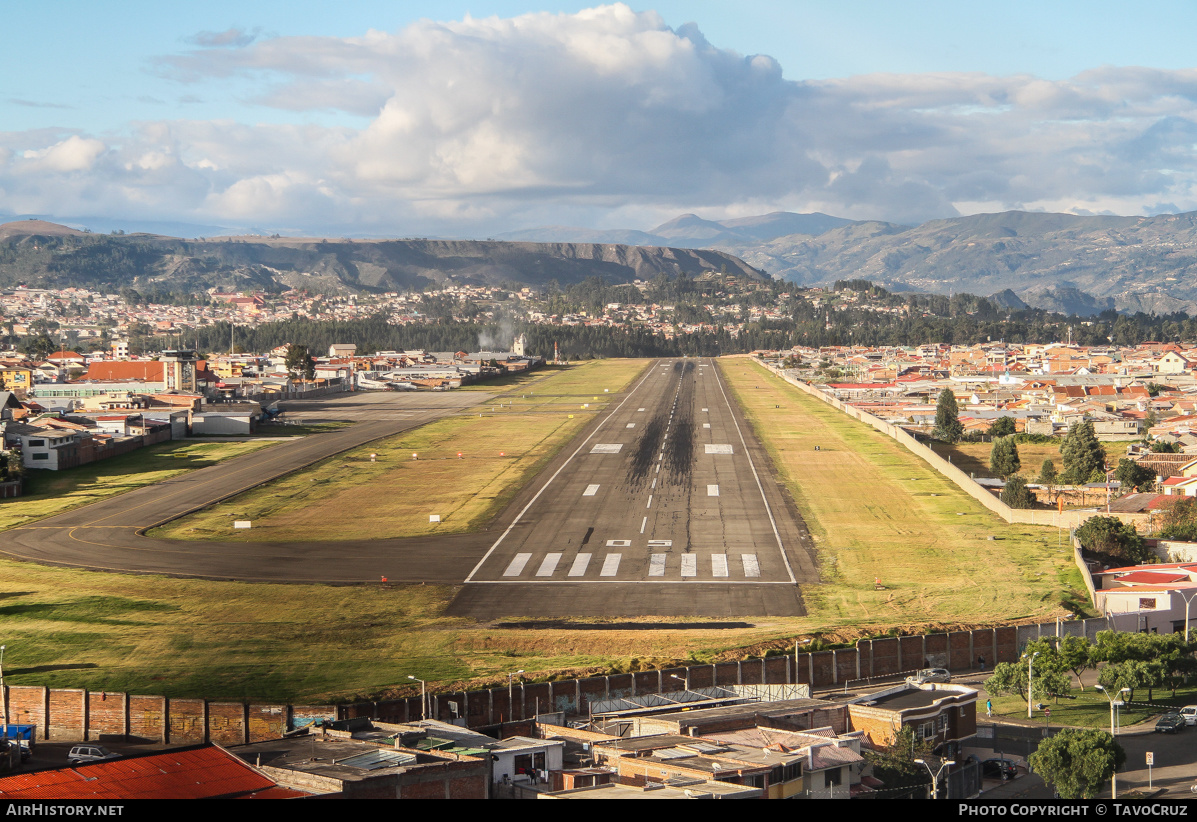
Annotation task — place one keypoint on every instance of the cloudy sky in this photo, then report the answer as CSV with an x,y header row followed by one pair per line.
x,y
415,118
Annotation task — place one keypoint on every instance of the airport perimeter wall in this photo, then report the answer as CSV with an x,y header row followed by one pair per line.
x,y
74,714
1067,519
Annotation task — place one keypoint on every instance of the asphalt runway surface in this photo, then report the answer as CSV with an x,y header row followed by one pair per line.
x,y
664,505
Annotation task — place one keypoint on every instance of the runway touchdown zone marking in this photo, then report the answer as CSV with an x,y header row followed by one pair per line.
x,y
590,491
608,448
718,448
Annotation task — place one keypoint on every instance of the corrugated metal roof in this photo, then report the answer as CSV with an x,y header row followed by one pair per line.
x,y
197,773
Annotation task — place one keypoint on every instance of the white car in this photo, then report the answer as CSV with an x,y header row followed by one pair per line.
x,y
1189,712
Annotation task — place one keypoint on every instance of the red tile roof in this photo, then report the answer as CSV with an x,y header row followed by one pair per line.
x,y
148,370
195,773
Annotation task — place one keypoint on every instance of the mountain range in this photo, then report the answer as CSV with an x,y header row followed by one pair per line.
x,y
38,253
1061,262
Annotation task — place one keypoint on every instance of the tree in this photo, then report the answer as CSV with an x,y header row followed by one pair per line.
x,y
1003,457
1111,536
1133,475
1082,453
1008,678
1047,474
1162,447
1017,495
1076,654
947,418
1180,521
1078,763
300,363
1002,427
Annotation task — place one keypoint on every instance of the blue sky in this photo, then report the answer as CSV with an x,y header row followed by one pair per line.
x,y
403,118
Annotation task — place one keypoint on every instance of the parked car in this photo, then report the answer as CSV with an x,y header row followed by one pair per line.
x,y
931,675
1189,712
999,768
82,754
1170,723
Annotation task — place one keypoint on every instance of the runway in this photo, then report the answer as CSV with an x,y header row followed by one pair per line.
x,y
666,506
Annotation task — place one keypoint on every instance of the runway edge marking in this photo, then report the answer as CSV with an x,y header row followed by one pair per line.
x,y
773,522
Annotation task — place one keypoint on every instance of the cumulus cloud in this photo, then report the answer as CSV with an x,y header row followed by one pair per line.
x,y
482,125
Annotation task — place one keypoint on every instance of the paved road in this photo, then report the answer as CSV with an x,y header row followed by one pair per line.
x,y
665,506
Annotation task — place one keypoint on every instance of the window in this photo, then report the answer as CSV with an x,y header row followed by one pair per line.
x,y
1146,604
831,778
37,443
40,456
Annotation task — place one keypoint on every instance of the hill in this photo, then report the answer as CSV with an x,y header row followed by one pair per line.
x,y
40,254
1054,261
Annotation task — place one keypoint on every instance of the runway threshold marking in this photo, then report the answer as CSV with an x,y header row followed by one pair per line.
x,y
718,565
656,565
590,491
548,565
751,567
516,566
610,565
578,569
689,565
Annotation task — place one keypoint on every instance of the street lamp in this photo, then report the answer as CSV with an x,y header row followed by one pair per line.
x,y
1030,679
1188,600
423,697
511,692
935,774
1113,702
3,693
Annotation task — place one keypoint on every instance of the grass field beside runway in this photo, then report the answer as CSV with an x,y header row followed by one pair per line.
x,y
67,628
51,492
503,444
877,512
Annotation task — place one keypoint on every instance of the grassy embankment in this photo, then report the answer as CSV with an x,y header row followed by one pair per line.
x,y
501,450
877,511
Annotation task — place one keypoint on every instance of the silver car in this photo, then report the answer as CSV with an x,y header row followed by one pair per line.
x,y
82,754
